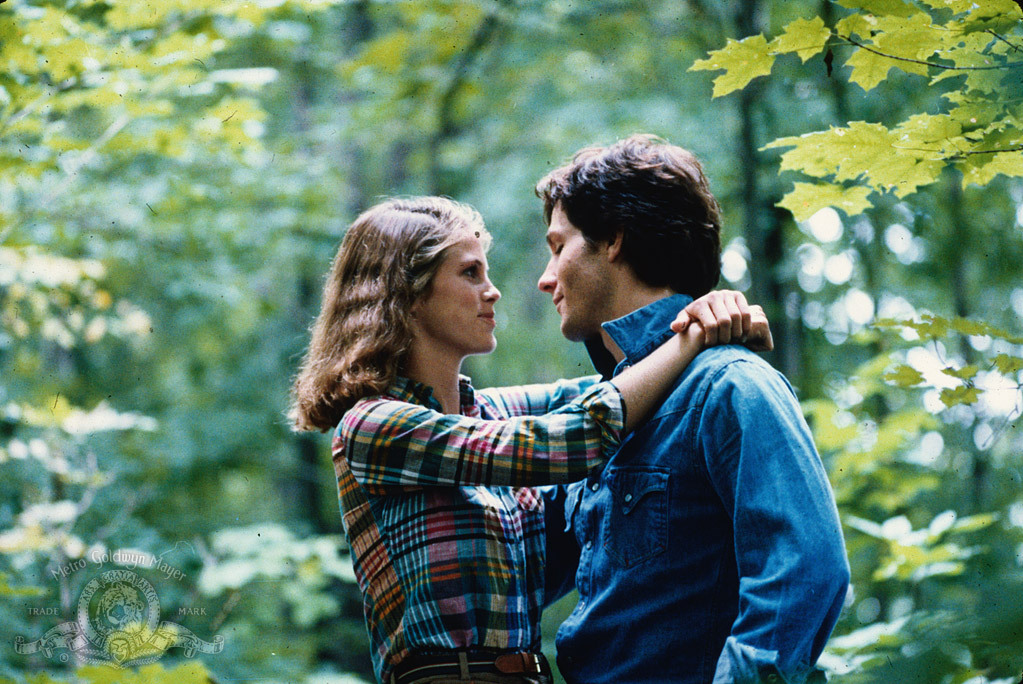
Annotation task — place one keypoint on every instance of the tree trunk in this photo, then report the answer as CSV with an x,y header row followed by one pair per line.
x,y
960,237
447,128
762,224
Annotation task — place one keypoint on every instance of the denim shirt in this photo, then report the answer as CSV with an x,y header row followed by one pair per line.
x,y
708,549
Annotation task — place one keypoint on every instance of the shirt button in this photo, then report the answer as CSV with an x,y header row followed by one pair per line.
x,y
628,498
589,544
595,486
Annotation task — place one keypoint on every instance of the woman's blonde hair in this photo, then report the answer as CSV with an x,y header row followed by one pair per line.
x,y
385,264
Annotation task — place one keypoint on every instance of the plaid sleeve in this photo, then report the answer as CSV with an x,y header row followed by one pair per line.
x,y
535,400
391,443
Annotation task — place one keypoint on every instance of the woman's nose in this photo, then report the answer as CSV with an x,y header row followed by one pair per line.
x,y
491,293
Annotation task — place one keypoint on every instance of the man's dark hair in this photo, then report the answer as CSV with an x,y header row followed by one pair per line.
x,y
657,196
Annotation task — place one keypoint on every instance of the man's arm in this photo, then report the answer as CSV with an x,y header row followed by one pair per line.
x,y
793,572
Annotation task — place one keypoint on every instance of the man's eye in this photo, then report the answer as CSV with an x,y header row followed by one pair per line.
x,y
472,271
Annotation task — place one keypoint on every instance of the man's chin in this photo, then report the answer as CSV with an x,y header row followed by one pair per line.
x,y
574,333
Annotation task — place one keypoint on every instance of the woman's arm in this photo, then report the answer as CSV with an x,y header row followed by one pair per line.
x,y
535,399
644,384
394,444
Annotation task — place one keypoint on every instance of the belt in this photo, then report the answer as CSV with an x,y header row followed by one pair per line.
x,y
421,665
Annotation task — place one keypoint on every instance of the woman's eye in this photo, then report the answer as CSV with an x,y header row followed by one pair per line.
x,y
472,271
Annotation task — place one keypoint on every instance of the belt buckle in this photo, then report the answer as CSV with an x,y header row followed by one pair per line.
x,y
519,663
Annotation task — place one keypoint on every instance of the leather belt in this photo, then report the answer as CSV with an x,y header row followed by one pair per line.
x,y
421,665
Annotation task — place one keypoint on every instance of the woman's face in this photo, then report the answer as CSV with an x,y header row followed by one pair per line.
x,y
456,319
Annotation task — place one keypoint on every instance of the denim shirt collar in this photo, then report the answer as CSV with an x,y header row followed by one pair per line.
x,y
637,333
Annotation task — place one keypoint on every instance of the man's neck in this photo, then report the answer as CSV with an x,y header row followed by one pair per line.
x,y
629,299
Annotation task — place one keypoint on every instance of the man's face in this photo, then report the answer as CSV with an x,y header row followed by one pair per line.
x,y
578,278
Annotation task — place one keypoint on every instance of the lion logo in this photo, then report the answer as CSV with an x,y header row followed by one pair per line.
x,y
118,624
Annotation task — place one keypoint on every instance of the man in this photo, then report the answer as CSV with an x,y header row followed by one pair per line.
x,y
709,547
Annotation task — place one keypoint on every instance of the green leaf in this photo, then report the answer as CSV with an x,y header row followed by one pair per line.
x,y
742,60
804,37
886,158
903,172
993,15
829,431
957,6
898,8
912,37
856,25
981,169
965,373
972,523
904,376
806,199
188,673
868,68
968,327
845,152
1008,365
929,128
7,590
963,394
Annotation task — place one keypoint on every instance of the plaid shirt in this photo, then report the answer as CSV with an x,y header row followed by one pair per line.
x,y
446,532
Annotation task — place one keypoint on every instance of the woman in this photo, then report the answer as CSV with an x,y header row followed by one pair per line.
x,y
435,479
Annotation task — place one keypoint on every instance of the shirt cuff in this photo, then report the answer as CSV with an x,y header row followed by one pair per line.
x,y
606,406
743,664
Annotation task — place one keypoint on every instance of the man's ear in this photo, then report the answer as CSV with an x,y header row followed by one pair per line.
x,y
614,247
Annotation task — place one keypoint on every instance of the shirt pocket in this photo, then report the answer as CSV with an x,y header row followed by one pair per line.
x,y
636,527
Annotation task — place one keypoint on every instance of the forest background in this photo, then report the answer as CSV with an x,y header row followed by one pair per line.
x,y
175,176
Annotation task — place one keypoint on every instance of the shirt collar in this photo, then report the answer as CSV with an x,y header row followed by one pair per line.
x,y
415,392
637,333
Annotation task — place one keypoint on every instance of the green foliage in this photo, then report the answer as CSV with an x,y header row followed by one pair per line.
x,y
300,569
742,61
891,481
190,673
977,132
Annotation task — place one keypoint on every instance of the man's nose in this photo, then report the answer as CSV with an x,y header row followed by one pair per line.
x,y
547,281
